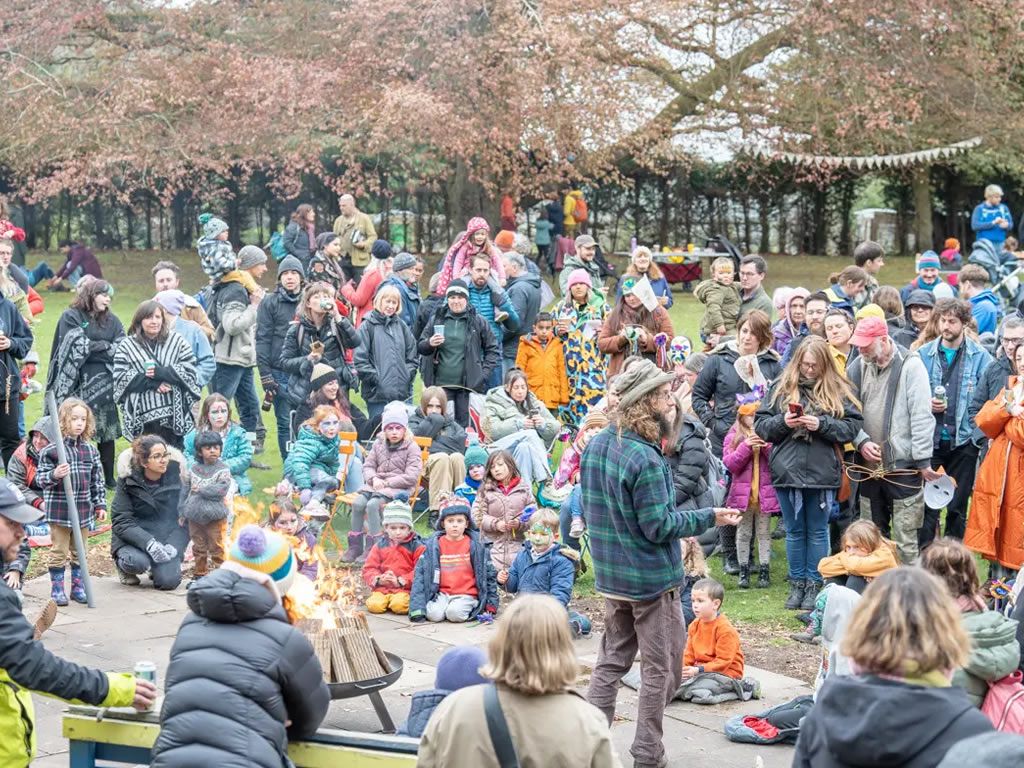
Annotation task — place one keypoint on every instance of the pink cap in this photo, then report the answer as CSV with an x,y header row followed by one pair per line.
x,y
868,330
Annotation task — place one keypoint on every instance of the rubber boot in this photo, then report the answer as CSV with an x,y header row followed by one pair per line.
x,y
796,595
763,577
744,580
811,590
77,586
57,592
367,546
727,538
731,565
355,548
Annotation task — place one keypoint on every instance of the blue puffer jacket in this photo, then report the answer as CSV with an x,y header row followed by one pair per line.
x,y
421,708
551,574
311,449
480,299
426,580
236,453
974,365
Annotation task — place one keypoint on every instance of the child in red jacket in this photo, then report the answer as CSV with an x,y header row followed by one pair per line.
x,y
389,565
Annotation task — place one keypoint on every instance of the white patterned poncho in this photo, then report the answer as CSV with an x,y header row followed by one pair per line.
x,y
140,401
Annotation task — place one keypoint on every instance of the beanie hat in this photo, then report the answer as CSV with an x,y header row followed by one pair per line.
x,y
459,667
324,239
457,287
598,419
454,506
641,380
212,226
920,298
250,256
403,261
173,301
394,413
505,240
264,552
381,250
929,260
397,512
322,374
578,276
290,264
943,291
476,455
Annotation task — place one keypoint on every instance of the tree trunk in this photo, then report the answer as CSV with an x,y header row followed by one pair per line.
x,y
179,210
637,215
665,207
819,244
466,199
783,223
846,195
765,244
129,225
745,207
98,222
922,195
149,222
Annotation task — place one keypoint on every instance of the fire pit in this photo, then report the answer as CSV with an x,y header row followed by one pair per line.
x,y
372,689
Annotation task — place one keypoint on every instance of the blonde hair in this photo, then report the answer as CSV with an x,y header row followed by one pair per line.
x,y
993,189
64,418
694,562
653,271
531,651
546,518
831,390
906,624
722,261
865,535
387,290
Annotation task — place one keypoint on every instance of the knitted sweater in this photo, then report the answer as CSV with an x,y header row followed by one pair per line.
x,y
210,484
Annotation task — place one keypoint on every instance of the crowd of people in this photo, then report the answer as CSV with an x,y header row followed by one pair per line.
x,y
860,415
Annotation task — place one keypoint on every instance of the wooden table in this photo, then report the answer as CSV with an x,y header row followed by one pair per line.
x,y
127,736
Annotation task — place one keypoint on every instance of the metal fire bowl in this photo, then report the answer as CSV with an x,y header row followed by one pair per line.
x,y
366,687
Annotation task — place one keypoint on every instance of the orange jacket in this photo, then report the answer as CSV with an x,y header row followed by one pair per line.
x,y
35,302
544,367
869,567
996,522
714,645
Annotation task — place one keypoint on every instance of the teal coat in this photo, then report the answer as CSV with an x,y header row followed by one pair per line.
x,y
311,449
995,652
236,453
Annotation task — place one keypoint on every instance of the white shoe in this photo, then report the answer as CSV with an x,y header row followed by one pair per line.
x,y
315,509
577,528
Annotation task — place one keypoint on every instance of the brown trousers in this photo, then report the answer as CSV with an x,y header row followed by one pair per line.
x,y
62,544
444,472
207,545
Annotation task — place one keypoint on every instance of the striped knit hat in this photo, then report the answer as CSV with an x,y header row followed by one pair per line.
x,y
264,552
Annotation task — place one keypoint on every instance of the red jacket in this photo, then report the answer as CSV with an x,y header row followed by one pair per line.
x,y
400,559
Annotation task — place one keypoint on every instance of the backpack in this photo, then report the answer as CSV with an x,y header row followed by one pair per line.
x,y
580,211
778,725
276,246
1004,703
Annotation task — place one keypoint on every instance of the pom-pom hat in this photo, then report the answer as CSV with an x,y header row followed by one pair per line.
x,y
263,553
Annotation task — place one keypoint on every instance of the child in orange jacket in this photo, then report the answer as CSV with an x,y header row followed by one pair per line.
x,y
390,564
712,643
542,359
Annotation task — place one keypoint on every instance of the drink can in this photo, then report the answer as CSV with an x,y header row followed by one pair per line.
x,y
439,330
149,365
146,670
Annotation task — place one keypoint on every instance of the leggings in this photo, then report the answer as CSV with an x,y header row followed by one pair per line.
x,y
366,509
106,449
752,524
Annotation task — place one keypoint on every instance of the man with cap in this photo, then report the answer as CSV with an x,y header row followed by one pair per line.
x,y
273,316
234,309
919,307
173,302
892,386
523,288
492,303
356,234
404,277
458,350
634,540
26,666
928,266
166,278
586,249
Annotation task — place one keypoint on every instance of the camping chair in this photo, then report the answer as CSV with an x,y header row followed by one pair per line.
x,y
424,443
347,442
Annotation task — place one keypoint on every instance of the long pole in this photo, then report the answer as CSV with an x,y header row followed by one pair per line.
x,y
69,493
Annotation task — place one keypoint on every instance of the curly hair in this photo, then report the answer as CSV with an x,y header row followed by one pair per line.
x,y
64,417
952,562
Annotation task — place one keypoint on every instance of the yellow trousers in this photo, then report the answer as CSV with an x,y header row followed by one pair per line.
x,y
396,602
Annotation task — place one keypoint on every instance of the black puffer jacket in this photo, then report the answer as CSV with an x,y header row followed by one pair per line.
x,y
142,511
802,459
386,358
273,318
336,336
482,353
238,671
688,463
447,435
719,383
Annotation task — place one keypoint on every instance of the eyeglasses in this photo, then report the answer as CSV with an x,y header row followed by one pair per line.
x,y
159,456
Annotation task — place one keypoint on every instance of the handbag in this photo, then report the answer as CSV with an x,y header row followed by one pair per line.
x,y
844,480
497,726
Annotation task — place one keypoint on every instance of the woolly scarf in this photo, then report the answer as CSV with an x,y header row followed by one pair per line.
x,y
172,409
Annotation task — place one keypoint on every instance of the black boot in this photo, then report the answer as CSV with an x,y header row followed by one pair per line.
x,y
763,580
727,537
355,548
811,590
732,564
796,595
744,580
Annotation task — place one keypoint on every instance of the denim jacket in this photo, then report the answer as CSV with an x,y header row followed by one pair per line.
x,y
974,364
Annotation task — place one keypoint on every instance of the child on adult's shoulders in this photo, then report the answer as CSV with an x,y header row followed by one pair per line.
x,y
391,562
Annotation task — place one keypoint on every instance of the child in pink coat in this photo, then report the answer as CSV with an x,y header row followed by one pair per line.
x,y
476,239
746,455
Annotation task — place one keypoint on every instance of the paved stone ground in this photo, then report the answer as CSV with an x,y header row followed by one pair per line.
x,y
132,624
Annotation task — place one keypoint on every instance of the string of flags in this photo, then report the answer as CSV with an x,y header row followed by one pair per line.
x,y
861,162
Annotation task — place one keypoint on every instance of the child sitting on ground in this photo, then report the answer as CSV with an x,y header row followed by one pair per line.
x,y
454,578
206,508
721,299
77,425
458,667
476,461
391,561
312,463
568,473
285,519
500,504
541,358
216,256
544,567
391,470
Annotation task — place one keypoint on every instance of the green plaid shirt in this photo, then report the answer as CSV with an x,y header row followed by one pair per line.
x,y
634,528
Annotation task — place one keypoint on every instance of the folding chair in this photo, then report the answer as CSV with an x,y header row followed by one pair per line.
x,y
424,443
347,442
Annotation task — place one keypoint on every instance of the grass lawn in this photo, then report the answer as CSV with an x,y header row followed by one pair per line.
x,y
129,272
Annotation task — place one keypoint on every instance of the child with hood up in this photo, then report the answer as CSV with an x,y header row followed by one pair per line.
x,y
791,323
458,667
206,506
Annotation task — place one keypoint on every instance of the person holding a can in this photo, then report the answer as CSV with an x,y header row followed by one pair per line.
x,y
26,665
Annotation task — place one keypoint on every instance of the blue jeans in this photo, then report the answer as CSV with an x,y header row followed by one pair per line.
x,y
354,478
282,411
39,273
374,410
806,533
571,508
235,382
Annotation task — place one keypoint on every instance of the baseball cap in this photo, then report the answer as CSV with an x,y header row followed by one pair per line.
x,y
585,241
13,506
868,330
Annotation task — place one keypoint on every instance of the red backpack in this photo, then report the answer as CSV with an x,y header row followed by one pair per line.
x,y
1004,703
580,211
